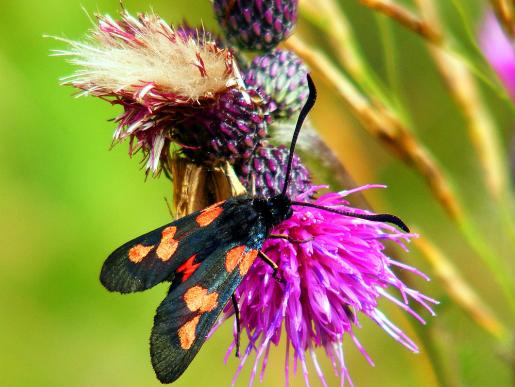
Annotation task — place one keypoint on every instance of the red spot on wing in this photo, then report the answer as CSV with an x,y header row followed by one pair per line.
x,y
138,252
199,299
168,245
209,214
234,257
247,261
187,333
188,268
238,257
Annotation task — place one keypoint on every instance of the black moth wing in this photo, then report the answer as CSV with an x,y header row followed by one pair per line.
x,y
122,274
191,308
155,256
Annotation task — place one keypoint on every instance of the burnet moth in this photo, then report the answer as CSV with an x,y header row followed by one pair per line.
x,y
205,256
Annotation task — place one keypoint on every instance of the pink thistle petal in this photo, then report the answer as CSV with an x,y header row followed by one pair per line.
x,y
361,349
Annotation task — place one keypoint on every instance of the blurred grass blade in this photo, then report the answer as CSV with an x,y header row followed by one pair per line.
x,y
327,16
406,18
505,12
463,87
460,291
383,125
387,128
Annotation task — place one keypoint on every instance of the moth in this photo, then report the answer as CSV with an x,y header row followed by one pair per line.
x,y
205,256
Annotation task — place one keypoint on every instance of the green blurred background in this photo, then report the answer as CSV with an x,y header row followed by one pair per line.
x,y
67,201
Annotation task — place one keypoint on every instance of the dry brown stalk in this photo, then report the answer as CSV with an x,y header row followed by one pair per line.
x,y
340,36
481,127
464,89
460,291
505,12
383,125
405,17
196,186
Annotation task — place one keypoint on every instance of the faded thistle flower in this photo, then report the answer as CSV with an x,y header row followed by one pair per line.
x,y
335,272
256,25
499,50
165,78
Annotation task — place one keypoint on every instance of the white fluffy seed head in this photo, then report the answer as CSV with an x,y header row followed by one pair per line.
x,y
145,55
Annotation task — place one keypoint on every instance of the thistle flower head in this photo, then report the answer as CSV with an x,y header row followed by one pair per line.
x,y
157,73
499,50
264,172
283,78
334,271
230,129
257,25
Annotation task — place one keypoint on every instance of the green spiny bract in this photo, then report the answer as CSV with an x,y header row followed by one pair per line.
x,y
282,76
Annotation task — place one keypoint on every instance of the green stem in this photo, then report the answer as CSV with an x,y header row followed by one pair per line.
x,y
425,334
490,259
486,73
390,59
389,50
362,76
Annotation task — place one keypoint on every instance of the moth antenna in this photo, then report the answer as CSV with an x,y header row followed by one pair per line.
x,y
387,218
302,116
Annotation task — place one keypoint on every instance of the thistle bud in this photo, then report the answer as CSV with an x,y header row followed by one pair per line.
x,y
265,173
283,78
256,25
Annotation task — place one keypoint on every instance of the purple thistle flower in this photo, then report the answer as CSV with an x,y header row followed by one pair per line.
x,y
334,272
499,50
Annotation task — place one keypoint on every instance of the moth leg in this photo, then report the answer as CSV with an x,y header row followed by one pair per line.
x,y
238,326
272,264
289,238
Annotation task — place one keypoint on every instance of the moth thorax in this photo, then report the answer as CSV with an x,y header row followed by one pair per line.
x,y
274,210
